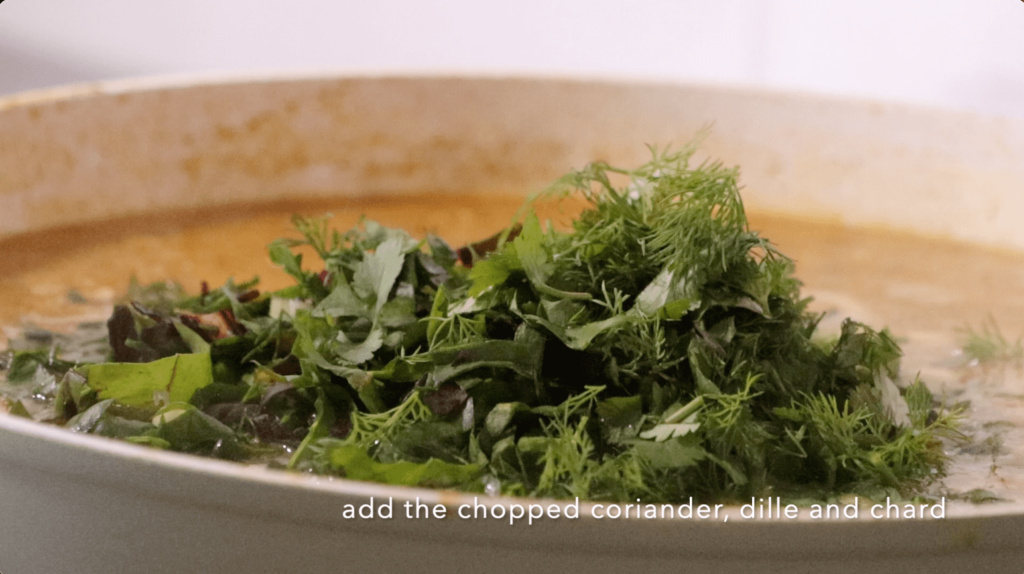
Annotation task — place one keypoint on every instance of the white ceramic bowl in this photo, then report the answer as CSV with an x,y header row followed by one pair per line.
x,y
83,504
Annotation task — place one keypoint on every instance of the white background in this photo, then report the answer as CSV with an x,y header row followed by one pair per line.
x,y
960,54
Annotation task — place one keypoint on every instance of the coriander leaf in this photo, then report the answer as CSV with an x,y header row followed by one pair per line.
x,y
522,357
536,262
398,312
895,406
342,302
282,256
579,337
700,363
441,252
376,273
668,293
358,353
493,271
676,453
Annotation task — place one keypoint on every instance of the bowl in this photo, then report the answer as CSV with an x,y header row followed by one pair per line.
x,y
89,155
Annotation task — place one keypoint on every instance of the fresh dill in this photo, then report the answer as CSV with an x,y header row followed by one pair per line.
x,y
987,346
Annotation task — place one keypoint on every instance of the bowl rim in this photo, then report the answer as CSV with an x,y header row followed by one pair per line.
x,y
170,81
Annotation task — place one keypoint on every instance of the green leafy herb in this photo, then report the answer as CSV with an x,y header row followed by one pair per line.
x,y
658,349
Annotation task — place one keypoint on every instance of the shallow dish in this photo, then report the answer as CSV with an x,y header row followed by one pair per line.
x,y
85,156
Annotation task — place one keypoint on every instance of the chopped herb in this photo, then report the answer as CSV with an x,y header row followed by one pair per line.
x,y
658,349
987,346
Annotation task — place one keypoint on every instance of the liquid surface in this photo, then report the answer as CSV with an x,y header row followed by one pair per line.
x,y
924,290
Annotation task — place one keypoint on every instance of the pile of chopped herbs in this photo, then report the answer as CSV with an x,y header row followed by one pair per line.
x,y
658,350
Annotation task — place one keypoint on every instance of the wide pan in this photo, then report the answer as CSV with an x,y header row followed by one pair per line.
x,y
72,503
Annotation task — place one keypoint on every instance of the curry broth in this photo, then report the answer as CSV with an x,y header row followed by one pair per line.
x,y
923,289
